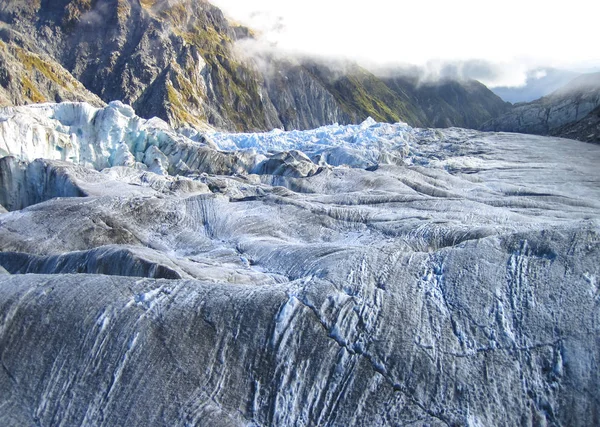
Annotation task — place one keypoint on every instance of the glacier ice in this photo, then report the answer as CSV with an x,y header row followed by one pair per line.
x,y
100,138
363,145
374,274
114,136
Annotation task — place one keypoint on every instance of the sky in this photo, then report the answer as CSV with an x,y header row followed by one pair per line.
x,y
496,42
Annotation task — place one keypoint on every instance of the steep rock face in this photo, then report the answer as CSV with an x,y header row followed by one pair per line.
x,y
27,76
586,129
302,102
362,94
545,116
457,288
173,57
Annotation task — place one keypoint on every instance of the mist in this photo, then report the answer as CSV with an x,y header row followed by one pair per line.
x,y
497,44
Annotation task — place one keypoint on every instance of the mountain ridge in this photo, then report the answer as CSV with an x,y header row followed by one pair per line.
x,y
539,83
563,108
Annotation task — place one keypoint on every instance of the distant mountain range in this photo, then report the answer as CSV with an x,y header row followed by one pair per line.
x,y
176,60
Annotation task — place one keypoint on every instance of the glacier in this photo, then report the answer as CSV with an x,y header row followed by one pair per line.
x,y
373,274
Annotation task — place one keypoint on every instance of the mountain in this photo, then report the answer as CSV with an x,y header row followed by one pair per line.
x,y
168,59
29,76
177,60
539,83
446,103
547,115
364,275
586,129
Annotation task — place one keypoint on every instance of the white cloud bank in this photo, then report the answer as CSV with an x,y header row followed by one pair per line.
x,y
511,37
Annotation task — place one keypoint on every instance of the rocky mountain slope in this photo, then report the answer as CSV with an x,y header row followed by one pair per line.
x,y
373,274
177,60
28,77
586,129
548,115
448,103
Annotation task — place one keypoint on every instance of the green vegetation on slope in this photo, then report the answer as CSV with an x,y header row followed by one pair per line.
x,y
361,94
26,77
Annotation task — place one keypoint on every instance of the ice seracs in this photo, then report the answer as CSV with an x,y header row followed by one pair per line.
x,y
360,145
114,136
93,137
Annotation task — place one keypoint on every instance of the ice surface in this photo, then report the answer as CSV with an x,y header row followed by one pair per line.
x,y
373,274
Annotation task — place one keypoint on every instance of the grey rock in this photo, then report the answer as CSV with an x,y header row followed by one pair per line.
x,y
547,115
586,129
28,75
447,103
302,102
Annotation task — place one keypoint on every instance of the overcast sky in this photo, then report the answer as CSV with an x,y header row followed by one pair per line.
x,y
494,41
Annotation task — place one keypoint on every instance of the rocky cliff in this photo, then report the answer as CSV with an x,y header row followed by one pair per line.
x,y
169,59
549,114
177,60
586,129
28,75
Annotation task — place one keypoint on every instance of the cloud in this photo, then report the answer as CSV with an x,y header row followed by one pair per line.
x,y
498,41
96,16
488,72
